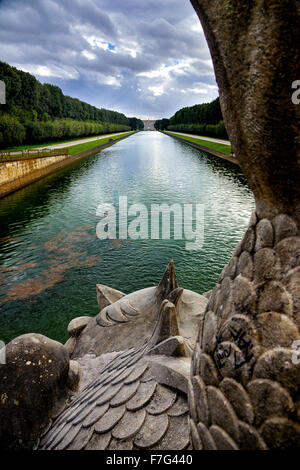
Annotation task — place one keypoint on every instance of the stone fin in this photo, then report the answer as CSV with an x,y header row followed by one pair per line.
x,y
168,282
168,324
175,295
107,295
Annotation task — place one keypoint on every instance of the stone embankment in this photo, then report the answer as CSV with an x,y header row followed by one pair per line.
x,y
20,171
216,153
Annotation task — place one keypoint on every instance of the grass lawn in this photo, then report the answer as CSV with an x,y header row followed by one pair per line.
x,y
73,149
54,142
206,143
89,145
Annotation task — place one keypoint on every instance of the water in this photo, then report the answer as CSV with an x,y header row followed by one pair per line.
x,y
51,259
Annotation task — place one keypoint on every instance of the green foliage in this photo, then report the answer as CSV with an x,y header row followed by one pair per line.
x,y
212,130
201,119
206,113
64,128
161,124
11,131
41,112
136,124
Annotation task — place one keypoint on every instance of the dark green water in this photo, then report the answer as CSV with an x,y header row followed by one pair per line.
x,y
51,259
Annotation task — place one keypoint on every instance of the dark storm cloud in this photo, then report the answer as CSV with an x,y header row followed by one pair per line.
x,y
142,58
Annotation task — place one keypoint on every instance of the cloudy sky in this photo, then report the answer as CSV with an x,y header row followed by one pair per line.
x,y
142,58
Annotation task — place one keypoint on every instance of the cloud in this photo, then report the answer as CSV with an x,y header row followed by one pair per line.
x,y
140,58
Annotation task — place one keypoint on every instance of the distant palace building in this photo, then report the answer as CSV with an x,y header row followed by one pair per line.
x,y
149,125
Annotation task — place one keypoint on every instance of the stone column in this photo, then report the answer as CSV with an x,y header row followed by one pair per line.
x,y
244,390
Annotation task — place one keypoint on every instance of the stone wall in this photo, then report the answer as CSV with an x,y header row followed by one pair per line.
x,y
18,168
18,173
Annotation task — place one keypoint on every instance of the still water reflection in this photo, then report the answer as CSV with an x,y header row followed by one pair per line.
x,y
51,259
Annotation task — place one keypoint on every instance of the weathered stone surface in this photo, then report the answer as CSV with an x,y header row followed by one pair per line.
x,y
95,415
77,325
272,295
192,403
82,438
208,371
222,413
237,348
109,419
238,249
108,394
73,375
264,235
98,441
189,312
173,346
207,294
245,265
230,269
177,435
276,328
289,253
179,408
266,265
69,437
161,401
292,284
243,295
106,295
153,429
171,371
281,433
225,307
195,366
120,445
32,381
244,39
249,438
248,240
222,440
284,227
206,438
194,435
130,424
277,365
114,313
81,414
136,374
238,398
269,399
126,392
99,336
214,298
198,392
70,345
253,219
54,438
143,395
121,375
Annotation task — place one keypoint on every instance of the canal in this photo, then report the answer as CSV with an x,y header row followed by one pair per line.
x,y
51,258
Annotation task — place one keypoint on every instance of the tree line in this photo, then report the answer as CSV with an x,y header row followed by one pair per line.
x,y
203,119
36,112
